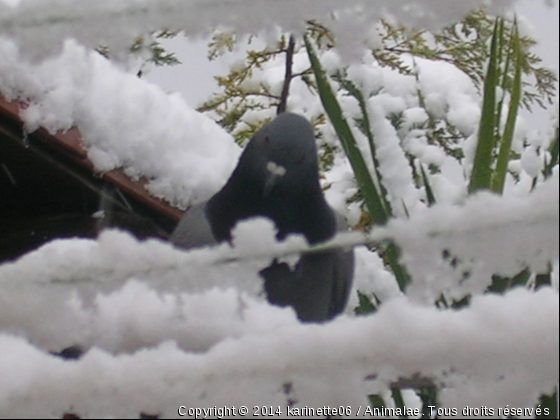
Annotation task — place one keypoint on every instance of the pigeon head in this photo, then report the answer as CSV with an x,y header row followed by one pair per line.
x,y
290,154
277,176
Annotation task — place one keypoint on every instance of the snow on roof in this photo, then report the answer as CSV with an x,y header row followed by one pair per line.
x,y
70,143
124,121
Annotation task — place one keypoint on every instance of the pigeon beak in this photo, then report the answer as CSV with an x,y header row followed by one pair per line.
x,y
274,173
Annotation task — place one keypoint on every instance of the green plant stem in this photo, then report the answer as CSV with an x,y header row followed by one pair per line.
x,y
499,180
373,198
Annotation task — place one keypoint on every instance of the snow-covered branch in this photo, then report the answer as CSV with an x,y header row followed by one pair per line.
x,y
511,339
40,26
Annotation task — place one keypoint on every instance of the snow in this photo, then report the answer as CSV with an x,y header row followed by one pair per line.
x,y
374,278
449,96
473,234
531,161
393,164
467,349
41,26
112,291
341,187
164,328
153,312
461,103
125,122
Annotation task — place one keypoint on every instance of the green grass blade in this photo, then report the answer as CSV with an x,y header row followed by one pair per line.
x,y
399,401
503,284
376,401
367,304
503,74
429,398
481,177
429,191
543,280
500,173
393,255
372,197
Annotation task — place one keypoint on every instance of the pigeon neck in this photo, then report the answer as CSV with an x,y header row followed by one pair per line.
x,y
305,213
226,208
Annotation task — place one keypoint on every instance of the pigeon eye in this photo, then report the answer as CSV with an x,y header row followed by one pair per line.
x,y
303,158
266,140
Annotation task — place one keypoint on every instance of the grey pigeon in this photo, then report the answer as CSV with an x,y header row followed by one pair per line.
x,y
277,176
